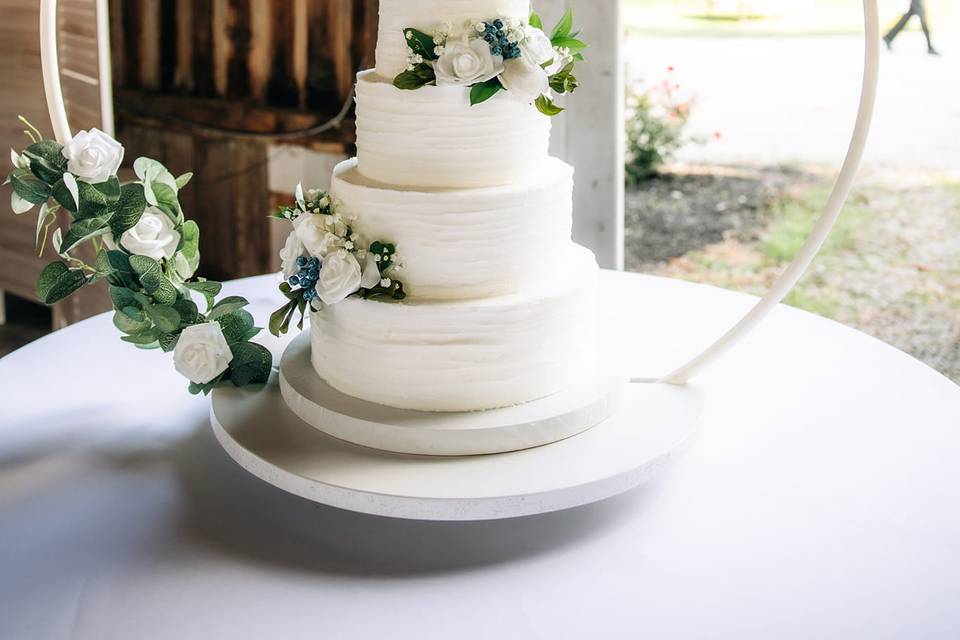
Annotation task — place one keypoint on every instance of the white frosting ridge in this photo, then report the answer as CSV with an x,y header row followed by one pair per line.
x,y
432,137
465,243
426,15
465,355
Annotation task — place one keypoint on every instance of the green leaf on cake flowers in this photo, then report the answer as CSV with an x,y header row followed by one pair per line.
x,y
421,75
483,91
564,81
57,281
420,43
546,106
536,21
564,26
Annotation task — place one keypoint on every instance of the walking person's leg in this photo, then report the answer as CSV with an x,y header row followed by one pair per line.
x,y
918,8
897,28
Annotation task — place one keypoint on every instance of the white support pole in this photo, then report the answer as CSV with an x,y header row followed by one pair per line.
x,y
51,71
590,133
105,68
788,280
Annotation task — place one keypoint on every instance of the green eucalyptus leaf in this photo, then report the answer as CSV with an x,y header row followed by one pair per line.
x,y
62,193
166,318
146,338
280,319
57,281
168,341
251,364
82,230
129,325
29,187
183,180
46,160
226,306
420,76
128,208
208,288
189,313
167,201
123,298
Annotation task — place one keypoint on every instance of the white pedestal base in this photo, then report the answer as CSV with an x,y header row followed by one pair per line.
x,y
257,430
532,424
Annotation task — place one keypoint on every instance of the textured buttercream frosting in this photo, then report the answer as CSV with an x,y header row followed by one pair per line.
x,y
427,15
464,355
432,137
466,243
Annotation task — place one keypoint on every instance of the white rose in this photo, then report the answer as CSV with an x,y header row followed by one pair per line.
x,y
153,236
467,62
536,46
202,353
313,232
292,250
524,79
371,272
93,156
339,277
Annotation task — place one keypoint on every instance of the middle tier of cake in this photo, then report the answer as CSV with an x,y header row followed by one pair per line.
x,y
466,243
465,355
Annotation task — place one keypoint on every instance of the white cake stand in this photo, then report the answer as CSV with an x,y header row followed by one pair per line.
x,y
262,434
654,421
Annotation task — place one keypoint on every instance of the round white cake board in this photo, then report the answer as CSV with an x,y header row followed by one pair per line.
x,y
533,424
257,430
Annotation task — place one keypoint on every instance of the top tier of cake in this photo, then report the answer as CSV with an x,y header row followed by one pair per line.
x,y
396,15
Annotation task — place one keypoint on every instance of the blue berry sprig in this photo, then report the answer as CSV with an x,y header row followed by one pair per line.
x,y
306,278
496,37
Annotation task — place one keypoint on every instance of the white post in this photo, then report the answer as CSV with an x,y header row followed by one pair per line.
x,y
589,135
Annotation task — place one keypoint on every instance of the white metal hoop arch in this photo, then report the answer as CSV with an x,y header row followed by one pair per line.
x,y
783,285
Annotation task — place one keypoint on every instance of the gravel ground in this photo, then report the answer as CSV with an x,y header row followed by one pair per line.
x,y
895,275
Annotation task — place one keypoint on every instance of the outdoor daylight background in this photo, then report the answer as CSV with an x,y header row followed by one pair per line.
x,y
758,100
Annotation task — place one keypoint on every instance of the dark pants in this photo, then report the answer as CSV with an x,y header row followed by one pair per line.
x,y
916,9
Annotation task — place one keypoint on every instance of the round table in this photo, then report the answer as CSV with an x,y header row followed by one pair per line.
x,y
821,498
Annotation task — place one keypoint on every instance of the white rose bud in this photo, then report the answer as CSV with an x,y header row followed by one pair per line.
x,y
313,232
93,156
466,62
524,80
202,353
292,250
153,236
339,277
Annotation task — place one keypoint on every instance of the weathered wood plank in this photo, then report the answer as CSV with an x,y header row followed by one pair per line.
x,y
183,68
261,43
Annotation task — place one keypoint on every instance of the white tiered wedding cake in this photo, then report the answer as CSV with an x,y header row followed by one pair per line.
x,y
499,305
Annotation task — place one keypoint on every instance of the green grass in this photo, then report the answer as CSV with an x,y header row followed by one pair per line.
x,y
763,18
794,218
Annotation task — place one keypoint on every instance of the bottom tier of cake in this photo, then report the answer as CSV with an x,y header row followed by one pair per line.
x,y
464,355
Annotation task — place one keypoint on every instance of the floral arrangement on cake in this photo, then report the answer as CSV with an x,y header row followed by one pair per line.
x,y
494,55
325,260
145,250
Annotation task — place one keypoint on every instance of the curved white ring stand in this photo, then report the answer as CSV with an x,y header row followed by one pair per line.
x,y
259,431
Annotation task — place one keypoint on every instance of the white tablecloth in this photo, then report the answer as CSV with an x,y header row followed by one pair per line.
x,y
821,499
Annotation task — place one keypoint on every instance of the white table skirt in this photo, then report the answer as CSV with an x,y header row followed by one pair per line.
x,y
821,499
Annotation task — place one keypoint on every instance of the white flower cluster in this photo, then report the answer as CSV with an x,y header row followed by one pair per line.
x,y
321,232
520,55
